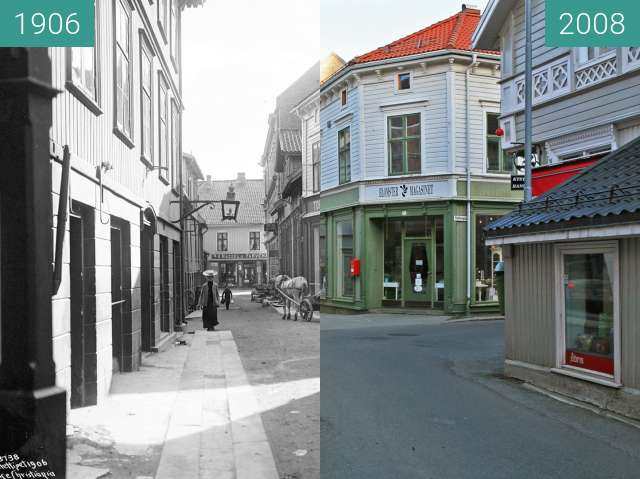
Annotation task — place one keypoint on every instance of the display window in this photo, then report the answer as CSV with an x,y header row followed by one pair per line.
x,y
344,248
487,259
589,334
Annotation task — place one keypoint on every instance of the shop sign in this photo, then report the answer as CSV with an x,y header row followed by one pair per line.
x,y
414,191
274,267
460,219
517,182
238,256
271,227
589,361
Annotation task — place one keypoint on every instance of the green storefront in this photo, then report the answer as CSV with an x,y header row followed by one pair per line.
x,y
411,242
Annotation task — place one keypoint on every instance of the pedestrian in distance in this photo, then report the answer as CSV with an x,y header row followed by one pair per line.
x,y
227,296
209,301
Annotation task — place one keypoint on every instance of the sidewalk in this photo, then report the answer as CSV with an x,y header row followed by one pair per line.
x,y
188,413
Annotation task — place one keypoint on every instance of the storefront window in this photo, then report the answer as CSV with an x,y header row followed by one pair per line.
x,y
392,283
487,258
344,250
588,289
439,266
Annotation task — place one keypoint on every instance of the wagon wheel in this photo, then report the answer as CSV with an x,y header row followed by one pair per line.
x,y
306,310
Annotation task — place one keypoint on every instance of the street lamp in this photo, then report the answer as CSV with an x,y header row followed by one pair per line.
x,y
230,206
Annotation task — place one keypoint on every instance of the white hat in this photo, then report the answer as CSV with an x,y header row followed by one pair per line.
x,y
209,273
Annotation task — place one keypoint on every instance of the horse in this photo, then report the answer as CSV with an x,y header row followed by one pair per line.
x,y
293,289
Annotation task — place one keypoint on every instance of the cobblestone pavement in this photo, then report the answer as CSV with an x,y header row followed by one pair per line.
x,y
158,420
282,361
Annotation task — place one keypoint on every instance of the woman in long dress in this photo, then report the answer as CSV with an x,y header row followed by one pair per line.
x,y
209,301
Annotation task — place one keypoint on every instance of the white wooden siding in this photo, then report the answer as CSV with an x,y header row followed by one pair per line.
x,y
434,142
615,100
238,238
89,136
329,144
484,97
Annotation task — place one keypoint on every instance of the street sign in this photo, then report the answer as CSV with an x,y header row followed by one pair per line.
x,y
517,182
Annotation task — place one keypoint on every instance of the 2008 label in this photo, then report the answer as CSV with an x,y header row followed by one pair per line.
x,y
591,23
600,23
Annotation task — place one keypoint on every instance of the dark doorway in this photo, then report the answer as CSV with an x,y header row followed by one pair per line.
x,y
117,299
177,284
165,325
83,345
146,288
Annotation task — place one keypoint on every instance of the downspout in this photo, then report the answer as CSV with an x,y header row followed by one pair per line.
x,y
182,235
61,225
468,152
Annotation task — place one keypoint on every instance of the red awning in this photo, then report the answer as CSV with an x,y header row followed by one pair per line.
x,y
545,178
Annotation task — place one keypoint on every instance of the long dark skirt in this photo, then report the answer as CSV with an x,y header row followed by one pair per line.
x,y
209,317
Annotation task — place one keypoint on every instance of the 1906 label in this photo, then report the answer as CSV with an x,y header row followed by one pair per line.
x,y
47,23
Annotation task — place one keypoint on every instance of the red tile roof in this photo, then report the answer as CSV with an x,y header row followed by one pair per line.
x,y
454,33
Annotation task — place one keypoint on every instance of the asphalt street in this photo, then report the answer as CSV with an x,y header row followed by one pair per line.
x,y
282,361
406,398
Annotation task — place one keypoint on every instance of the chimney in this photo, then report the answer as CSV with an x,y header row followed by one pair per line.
x,y
242,177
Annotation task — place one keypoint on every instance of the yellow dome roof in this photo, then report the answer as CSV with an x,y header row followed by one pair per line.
x,y
329,65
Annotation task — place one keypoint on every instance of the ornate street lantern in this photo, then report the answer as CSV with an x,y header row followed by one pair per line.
x,y
230,206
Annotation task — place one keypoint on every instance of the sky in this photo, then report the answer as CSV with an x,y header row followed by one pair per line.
x,y
239,55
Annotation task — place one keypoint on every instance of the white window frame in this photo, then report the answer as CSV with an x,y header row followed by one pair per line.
x,y
485,159
92,102
423,135
587,247
343,128
509,126
506,44
599,57
259,240
217,239
397,82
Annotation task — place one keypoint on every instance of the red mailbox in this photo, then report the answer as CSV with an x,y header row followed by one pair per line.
x,y
355,267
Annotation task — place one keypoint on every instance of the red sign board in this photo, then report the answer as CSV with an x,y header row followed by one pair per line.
x,y
545,178
591,362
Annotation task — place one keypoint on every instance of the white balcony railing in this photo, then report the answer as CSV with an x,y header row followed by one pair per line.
x,y
596,71
554,79
550,81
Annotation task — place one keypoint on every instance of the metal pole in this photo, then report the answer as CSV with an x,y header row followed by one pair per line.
x,y
528,101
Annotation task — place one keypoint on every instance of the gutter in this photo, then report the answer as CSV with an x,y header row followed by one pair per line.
x,y
473,63
61,225
406,59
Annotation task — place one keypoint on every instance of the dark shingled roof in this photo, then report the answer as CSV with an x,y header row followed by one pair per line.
x,y
250,194
290,141
605,193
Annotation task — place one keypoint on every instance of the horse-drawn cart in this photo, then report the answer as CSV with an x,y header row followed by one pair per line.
x,y
308,305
